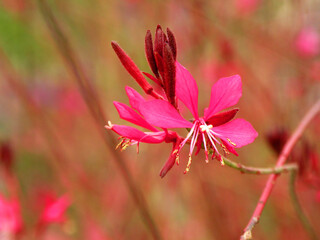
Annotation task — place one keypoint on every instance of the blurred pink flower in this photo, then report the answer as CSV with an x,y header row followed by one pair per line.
x,y
54,209
71,102
10,216
246,7
208,129
307,42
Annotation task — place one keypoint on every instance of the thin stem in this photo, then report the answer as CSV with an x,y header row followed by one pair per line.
x,y
94,105
280,162
297,206
255,170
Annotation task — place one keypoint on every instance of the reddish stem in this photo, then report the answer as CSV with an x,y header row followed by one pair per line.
x,y
280,162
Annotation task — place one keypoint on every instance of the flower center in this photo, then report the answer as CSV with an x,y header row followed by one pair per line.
x,y
202,134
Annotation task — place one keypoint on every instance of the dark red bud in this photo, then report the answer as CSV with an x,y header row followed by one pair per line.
x,y
159,41
6,155
132,68
222,118
277,138
227,51
172,43
169,74
149,53
160,63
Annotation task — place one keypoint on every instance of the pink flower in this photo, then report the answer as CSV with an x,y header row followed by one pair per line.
x,y
177,83
307,42
10,216
54,210
215,127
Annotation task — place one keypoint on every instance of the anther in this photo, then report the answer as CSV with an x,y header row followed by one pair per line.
x,y
232,143
177,158
188,165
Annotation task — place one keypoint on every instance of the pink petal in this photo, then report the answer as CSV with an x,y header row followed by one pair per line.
x,y
225,93
137,135
171,160
187,89
134,98
239,131
128,114
162,114
229,147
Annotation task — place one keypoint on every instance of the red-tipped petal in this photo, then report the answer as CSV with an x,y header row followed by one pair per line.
x,y
187,89
237,133
162,114
128,114
222,118
225,93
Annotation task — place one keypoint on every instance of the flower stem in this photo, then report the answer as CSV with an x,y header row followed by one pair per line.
x,y
255,170
296,204
280,162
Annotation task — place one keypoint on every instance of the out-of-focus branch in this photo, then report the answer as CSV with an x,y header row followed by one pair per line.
x,y
297,206
281,160
93,103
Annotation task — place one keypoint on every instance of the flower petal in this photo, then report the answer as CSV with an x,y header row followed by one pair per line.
x,y
225,93
238,132
137,135
128,114
222,118
187,89
162,114
134,98
171,160
229,147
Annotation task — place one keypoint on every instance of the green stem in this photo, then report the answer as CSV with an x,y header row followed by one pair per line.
x,y
254,170
296,204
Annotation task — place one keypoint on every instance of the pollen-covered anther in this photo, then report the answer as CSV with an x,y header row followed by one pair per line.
x,y
188,165
205,128
222,162
177,158
123,144
225,149
232,143
120,144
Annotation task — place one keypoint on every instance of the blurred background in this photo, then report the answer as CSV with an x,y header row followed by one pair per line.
x,y
60,177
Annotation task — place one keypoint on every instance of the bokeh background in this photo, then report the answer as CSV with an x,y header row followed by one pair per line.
x,y
54,150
